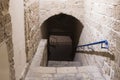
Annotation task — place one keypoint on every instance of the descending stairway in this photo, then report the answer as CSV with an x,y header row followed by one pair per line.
x,y
59,70
65,73
63,64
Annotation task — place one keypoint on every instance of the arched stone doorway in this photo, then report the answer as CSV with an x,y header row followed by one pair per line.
x,y
63,32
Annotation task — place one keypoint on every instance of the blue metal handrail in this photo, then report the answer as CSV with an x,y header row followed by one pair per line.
x,y
100,42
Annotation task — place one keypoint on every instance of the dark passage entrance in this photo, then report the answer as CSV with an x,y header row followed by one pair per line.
x,y
60,48
63,32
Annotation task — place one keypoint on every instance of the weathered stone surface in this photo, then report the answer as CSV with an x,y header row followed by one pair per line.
x,y
9,44
74,8
1,34
44,69
32,27
6,34
63,63
8,29
37,74
102,21
6,19
66,70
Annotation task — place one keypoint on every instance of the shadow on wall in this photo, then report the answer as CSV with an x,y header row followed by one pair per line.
x,y
63,25
104,54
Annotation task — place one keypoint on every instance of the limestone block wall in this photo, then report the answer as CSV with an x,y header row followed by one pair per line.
x,y
49,8
6,34
102,21
32,27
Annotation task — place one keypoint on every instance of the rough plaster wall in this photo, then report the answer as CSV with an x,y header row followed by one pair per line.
x,y
18,36
102,21
6,34
32,27
49,8
4,63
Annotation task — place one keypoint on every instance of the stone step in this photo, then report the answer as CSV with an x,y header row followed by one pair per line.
x,y
63,64
65,73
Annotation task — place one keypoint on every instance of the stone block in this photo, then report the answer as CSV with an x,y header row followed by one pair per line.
x,y
44,70
6,19
8,29
4,5
64,75
88,69
2,36
9,44
66,70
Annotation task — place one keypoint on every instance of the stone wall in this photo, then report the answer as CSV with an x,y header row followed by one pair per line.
x,y
49,8
32,27
6,34
102,21
18,36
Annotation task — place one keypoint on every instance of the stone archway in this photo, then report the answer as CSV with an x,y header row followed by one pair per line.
x,y
66,29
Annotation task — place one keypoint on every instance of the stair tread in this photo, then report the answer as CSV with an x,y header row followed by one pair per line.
x,y
63,63
66,73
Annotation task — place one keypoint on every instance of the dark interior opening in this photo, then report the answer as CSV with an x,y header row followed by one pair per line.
x,y
63,32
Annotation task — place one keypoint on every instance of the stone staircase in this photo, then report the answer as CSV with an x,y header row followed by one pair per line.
x,y
63,64
65,73
60,70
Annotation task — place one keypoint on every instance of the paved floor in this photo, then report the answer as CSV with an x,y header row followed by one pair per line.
x,y
65,73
